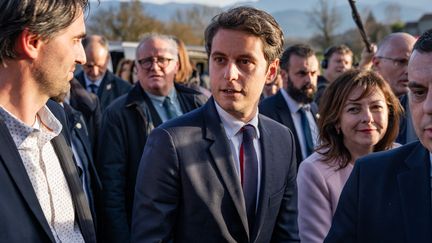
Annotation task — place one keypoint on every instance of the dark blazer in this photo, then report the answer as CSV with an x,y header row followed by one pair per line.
x,y
188,189
125,127
88,104
22,219
277,109
110,88
386,199
80,139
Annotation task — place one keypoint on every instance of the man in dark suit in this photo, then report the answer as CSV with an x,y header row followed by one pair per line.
x,y
89,107
41,194
129,120
96,77
293,105
223,173
391,61
388,195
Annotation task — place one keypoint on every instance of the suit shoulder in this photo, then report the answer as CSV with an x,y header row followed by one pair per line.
x,y
275,127
122,84
387,158
192,118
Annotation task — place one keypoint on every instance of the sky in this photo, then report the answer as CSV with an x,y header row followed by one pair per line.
x,y
219,3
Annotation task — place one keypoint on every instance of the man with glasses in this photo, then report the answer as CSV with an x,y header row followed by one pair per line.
x,y
96,77
128,121
391,61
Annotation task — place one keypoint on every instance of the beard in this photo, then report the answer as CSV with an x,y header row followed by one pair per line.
x,y
49,84
302,95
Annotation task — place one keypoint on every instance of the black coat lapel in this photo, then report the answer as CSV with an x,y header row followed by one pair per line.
x,y
222,156
11,158
415,194
82,209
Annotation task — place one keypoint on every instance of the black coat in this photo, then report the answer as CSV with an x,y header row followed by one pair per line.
x,y
126,124
80,138
88,105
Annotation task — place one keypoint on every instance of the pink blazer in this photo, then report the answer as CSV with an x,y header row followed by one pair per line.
x,y
319,188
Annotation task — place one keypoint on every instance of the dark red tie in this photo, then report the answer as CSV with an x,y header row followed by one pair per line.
x,y
249,172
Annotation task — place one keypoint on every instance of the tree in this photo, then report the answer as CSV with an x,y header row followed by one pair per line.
x,y
127,23
197,18
325,18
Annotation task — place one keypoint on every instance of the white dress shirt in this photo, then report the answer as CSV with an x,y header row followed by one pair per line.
x,y
232,128
44,171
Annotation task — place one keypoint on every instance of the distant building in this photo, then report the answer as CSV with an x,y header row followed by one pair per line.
x,y
417,28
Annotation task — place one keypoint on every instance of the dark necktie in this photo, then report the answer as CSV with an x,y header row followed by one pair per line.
x,y
169,108
249,172
306,130
93,88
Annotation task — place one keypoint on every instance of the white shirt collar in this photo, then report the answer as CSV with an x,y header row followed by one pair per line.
x,y
232,125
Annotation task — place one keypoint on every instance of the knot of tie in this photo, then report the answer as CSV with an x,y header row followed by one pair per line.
x,y
93,88
248,132
169,108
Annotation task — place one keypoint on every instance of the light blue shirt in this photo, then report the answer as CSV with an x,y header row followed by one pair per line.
x,y
232,127
88,82
157,102
294,106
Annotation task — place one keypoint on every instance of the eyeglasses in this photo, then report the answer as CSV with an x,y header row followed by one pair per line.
x,y
162,62
397,62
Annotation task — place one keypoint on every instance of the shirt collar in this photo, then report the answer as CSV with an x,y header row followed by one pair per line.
x,y
160,99
20,131
97,82
232,125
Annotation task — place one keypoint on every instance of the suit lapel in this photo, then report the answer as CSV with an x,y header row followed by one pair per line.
x,y
79,199
267,169
13,163
222,156
415,193
285,115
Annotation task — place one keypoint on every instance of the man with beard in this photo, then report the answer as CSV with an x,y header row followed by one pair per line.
x,y
42,198
293,105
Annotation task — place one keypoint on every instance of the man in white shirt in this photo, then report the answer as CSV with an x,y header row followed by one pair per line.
x,y
223,172
41,194
293,105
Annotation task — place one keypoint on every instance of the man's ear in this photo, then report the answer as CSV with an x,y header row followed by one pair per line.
x,y
272,71
28,45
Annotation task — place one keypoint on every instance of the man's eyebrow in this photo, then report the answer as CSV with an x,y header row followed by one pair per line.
x,y
414,84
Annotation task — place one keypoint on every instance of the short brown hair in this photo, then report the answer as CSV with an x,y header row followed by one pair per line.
x,y
252,21
44,18
331,106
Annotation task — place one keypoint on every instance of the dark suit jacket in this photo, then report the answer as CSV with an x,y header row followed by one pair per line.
x,y
88,104
277,109
22,219
110,88
80,139
188,190
386,199
125,127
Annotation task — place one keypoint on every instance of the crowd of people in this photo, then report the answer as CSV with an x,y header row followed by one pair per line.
x,y
281,147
